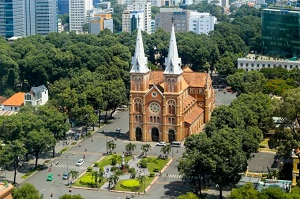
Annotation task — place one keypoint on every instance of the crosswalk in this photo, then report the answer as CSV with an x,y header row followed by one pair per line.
x,y
171,176
70,166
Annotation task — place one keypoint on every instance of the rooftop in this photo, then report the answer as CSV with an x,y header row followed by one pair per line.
x,y
16,100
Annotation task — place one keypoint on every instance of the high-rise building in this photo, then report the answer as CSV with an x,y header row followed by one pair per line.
x,y
281,31
169,105
176,15
140,9
201,23
63,7
78,12
27,17
132,19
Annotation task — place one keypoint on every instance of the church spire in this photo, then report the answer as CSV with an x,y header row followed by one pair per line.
x,y
173,62
139,60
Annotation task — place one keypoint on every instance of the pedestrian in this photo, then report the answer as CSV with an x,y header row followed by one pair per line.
x,y
51,195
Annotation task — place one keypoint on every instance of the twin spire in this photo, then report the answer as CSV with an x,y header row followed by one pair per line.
x,y
139,60
172,62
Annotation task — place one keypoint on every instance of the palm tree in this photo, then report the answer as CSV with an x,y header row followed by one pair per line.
x,y
74,174
111,146
166,149
142,180
146,148
130,148
98,176
113,179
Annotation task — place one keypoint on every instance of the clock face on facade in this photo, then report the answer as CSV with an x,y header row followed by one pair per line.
x,y
154,107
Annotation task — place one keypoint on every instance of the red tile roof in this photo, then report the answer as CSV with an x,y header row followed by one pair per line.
x,y
194,114
193,79
188,101
15,100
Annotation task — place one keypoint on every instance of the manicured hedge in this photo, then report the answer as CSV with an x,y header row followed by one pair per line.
x,y
130,184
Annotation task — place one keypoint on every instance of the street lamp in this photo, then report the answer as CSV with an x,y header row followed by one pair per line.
x,y
67,156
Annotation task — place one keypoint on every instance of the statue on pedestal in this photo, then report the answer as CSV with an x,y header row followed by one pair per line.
x,y
123,161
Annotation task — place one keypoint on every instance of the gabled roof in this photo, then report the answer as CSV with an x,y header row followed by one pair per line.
x,y
15,100
38,89
194,114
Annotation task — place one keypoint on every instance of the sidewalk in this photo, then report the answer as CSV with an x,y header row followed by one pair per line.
x,y
24,167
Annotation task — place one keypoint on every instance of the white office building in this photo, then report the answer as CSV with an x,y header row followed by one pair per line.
x,y
250,64
78,12
201,23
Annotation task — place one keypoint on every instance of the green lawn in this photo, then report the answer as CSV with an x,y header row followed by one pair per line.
x,y
107,160
154,162
141,189
29,174
87,176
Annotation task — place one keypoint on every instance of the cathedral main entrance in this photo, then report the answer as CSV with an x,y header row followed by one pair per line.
x,y
138,134
171,135
155,134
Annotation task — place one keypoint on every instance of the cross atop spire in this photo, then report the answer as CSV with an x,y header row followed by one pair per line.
x,y
139,60
173,62
172,19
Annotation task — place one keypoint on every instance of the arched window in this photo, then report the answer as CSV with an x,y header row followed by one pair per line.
x,y
138,105
151,119
172,85
137,83
171,107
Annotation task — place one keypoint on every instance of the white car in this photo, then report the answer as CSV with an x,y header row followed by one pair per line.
x,y
161,144
79,162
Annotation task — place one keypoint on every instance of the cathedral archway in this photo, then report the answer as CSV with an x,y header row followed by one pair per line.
x,y
171,135
138,134
155,134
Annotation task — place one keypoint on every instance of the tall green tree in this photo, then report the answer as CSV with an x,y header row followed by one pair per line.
x,y
26,191
130,147
40,141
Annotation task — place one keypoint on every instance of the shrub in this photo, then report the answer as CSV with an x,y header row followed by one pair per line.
x,y
143,163
46,161
152,174
73,143
89,169
119,172
131,170
114,161
113,169
127,166
262,146
130,184
156,170
96,164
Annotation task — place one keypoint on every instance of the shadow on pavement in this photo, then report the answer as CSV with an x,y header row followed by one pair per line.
x,y
176,188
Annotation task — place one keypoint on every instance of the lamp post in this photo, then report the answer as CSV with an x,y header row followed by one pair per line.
x,y
67,156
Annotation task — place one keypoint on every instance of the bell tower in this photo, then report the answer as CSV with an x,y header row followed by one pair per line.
x,y
139,84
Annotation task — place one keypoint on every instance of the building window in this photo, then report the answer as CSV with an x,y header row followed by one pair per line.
x,y
154,94
246,64
138,105
241,64
171,107
137,84
263,65
252,65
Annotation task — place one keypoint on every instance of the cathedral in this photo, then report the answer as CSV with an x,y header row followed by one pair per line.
x,y
169,105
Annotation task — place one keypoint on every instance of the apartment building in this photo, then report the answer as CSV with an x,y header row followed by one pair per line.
x,y
178,16
78,12
132,19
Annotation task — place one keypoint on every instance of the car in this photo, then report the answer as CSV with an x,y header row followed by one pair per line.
x,y
161,144
50,177
65,176
118,130
79,162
